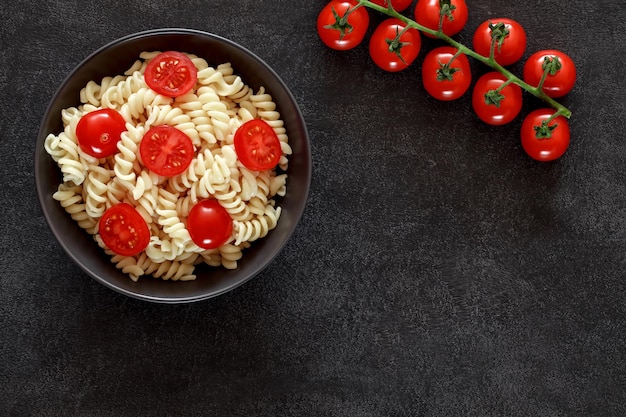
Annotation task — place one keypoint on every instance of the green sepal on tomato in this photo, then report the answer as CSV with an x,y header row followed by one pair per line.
x,y
559,69
392,46
99,131
544,137
494,101
507,37
342,24
446,75
428,14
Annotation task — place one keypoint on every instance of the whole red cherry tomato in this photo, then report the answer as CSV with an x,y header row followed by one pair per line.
x,y
257,145
542,140
342,24
99,131
561,72
393,47
171,74
509,37
209,224
398,5
166,150
123,230
428,13
445,80
493,103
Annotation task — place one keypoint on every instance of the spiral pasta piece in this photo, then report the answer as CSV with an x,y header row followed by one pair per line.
x,y
230,254
168,218
214,181
126,159
217,111
136,267
95,189
140,102
70,198
146,203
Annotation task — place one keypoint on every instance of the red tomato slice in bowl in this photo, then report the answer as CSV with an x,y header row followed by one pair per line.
x,y
123,230
166,150
171,74
257,145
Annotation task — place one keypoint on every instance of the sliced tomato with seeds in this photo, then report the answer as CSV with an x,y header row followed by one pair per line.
x,y
166,151
171,74
257,145
123,230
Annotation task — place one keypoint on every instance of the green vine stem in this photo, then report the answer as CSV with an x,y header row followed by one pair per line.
x,y
487,60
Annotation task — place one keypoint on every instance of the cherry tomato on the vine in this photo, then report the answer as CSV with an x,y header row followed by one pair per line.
x,y
99,131
560,68
257,145
166,151
392,46
209,224
123,230
444,79
494,103
428,13
509,37
398,5
342,24
171,74
545,141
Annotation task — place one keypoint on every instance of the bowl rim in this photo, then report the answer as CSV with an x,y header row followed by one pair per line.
x,y
43,196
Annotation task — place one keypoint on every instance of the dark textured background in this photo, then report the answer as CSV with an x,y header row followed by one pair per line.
x,y
437,270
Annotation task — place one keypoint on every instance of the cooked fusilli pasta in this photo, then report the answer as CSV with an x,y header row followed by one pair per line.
x,y
219,103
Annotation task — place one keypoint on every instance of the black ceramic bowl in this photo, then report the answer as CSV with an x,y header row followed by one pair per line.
x,y
115,58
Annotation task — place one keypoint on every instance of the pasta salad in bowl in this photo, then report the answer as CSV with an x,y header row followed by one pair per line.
x,y
173,165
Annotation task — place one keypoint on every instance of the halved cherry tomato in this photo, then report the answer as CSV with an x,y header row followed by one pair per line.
x,y
445,80
391,47
99,131
209,224
561,75
171,74
257,145
398,5
342,24
123,230
428,12
496,107
544,141
510,39
166,150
